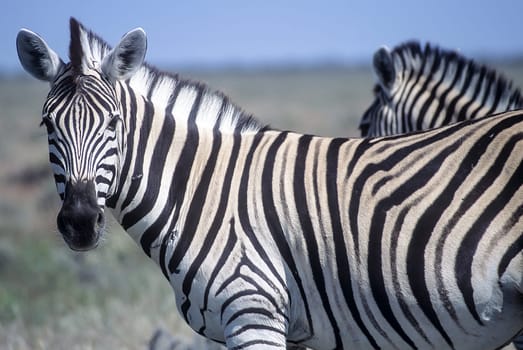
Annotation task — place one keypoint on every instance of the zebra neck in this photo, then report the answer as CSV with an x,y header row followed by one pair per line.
x,y
169,158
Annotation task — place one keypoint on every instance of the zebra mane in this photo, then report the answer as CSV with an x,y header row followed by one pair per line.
x,y
159,87
87,50
412,57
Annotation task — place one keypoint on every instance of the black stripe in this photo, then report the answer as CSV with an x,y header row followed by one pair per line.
x,y
487,91
498,93
394,241
514,249
412,95
233,276
340,245
258,311
451,114
473,236
424,227
55,159
161,147
476,97
449,110
414,183
265,343
163,248
243,212
374,261
219,216
423,230
194,215
143,137
257,288
405,94
226,253
152,85
472,197
249,327
130,126
93,98
67,134
464,96
257,293
471,241
271,214
439,99
177,189
264,277
300,199
424,119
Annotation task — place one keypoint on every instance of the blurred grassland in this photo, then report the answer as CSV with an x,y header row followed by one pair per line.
x,y
114,297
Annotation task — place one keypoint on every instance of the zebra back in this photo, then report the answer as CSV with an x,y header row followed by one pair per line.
x,y
427,87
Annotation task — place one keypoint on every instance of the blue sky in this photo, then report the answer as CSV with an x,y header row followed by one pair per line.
x,y
196,32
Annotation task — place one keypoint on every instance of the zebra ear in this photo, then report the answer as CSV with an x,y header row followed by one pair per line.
x,y
125,59
384,67
36,57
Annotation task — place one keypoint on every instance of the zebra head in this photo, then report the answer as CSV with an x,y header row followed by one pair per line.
x,y
85,126
421,88
381,113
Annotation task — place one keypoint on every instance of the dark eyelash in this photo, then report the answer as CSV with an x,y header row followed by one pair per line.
x,y
45,119
44,122
48,124
112,123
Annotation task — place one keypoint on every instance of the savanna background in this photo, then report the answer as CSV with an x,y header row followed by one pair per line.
x,y
303,66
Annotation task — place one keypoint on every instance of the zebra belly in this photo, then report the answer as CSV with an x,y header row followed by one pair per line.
x,y
466,333
493,334
367,327
216,298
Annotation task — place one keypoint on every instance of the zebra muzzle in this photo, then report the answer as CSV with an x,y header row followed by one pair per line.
x,y
80,220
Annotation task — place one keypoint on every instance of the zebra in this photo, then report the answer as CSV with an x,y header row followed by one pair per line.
x,y
271,238
421,88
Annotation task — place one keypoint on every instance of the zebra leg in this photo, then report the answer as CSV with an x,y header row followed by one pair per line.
x,y
254,341
257,335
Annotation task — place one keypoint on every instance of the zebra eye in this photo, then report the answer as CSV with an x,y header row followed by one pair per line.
x,y
112,123
48,124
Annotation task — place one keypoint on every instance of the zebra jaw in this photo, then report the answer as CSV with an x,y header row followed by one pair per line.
x,y
81,221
